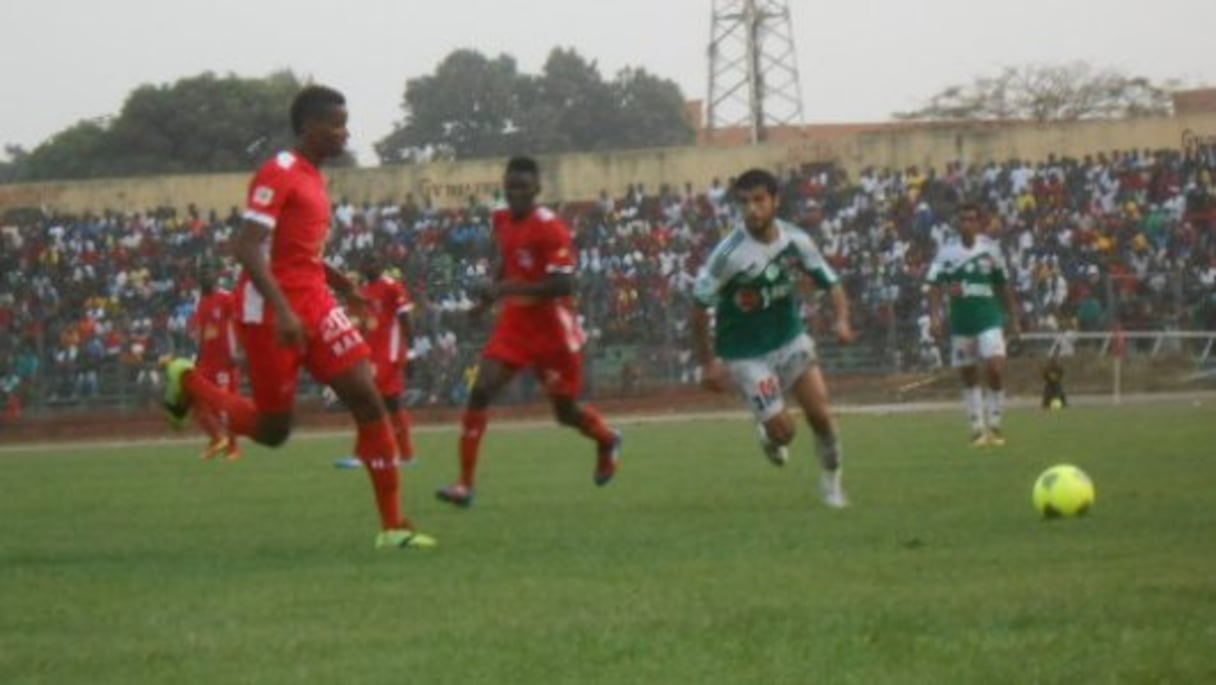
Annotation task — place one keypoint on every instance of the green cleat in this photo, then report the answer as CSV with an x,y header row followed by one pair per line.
x,y
176,404
404,539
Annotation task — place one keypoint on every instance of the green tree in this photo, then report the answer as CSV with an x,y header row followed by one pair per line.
x,y
468,107
473,106
651,111
10,167
199,124
1047,93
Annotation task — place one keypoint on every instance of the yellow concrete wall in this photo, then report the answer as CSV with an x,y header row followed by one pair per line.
x,y
583,176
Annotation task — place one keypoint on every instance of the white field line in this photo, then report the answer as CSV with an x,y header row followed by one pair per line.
x,y
627,419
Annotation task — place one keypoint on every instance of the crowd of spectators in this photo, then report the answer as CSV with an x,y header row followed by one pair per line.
x,y
89,303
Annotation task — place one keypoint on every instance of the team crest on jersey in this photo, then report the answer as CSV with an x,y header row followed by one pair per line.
x,y
773,271
263,195
985,266
747,300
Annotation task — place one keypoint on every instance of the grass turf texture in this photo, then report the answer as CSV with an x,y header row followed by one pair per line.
x,y
701,564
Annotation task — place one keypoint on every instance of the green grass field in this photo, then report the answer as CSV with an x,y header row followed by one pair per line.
x,y
700,564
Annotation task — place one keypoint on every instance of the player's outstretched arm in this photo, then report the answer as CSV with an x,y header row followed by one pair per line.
x,y
346,289
713,374
840,308
247,249
935,311
1011,308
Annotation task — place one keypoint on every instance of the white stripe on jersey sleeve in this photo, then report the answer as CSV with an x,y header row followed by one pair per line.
x,y
260,218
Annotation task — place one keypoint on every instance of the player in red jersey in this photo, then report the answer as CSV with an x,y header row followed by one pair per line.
x,y
288,317
537,328
213,323
386,326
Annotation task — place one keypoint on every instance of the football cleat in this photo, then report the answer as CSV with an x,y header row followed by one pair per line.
x,y
216,448
456,494
607,461
778,455
831,489
404,539
176,404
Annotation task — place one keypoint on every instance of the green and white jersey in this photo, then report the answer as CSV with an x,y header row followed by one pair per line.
x,y
752,285
971,277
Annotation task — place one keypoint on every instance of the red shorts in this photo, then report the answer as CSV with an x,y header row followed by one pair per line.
x,y
557,366
390,377
226,377
333,346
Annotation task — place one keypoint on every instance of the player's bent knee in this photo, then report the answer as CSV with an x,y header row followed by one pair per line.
x,y
566,412
780,429
273,430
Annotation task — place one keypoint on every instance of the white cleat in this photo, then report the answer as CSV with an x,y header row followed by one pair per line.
x,y
778,455
832,491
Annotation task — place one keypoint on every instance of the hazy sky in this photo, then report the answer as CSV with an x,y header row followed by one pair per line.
x,y
64,60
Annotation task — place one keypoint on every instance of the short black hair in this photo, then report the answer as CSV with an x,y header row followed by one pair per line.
x,y
969,206
312,103
523,165
756,178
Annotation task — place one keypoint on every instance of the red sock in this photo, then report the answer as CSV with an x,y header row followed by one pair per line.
x,y
209,422
593,426
241,414
377,449
401,428
473,427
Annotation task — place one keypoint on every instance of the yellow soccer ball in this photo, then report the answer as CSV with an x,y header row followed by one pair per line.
x,y
1063,490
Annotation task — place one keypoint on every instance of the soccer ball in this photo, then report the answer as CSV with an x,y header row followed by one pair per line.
x,y
1057,403
1063,490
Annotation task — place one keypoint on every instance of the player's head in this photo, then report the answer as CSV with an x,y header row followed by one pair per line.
x,y
969,220
371,266
521,184
756,192
318,119
206,279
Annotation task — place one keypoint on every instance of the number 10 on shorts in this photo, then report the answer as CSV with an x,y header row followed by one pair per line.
x,y
768,391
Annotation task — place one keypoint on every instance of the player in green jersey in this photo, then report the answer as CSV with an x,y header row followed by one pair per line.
x,y
972,270
759,338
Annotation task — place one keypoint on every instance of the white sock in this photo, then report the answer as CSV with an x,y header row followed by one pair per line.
x,y
829,452
996,400
973,397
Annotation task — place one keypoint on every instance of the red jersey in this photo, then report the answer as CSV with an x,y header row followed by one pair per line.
x,y
213,319
531,249
288,196
387,300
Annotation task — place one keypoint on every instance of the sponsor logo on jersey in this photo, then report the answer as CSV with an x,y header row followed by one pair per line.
x,y
748,300
263,196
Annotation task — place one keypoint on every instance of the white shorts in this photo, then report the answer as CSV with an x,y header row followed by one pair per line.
x,y
763,381
969,350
